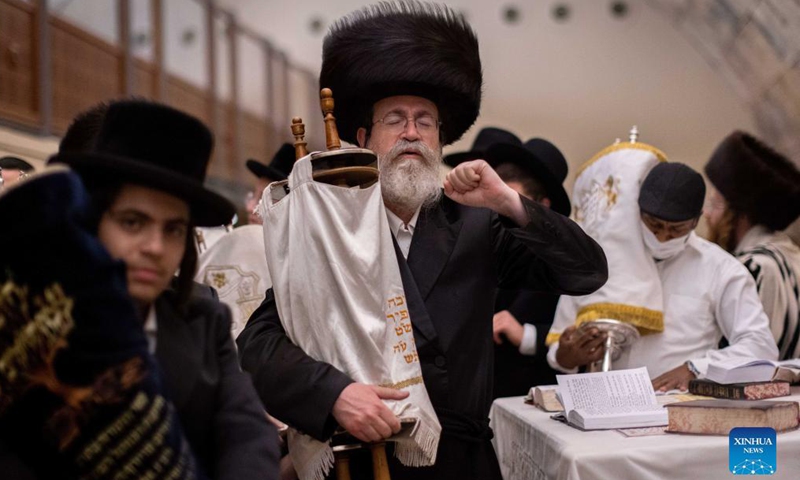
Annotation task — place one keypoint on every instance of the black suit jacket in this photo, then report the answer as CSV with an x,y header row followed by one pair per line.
x,y
458,258
515,373
219,410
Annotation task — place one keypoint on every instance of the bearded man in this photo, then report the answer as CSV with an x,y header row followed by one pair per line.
x,y
407,80
756,195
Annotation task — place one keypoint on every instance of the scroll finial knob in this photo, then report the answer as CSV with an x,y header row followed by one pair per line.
x,y
332,140
634,135
299,132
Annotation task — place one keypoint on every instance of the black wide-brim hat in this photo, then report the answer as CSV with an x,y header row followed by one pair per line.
x,y
756,180
155,146
280,166
403,48
543,160
15,163
483,140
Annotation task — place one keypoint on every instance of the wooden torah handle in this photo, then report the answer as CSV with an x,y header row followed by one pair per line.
x,y
299,132
380,466
332,141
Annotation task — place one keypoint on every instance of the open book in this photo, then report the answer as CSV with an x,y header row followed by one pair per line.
x,y
749,370
609,400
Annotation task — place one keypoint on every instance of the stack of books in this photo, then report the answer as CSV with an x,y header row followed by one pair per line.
x,y
740,387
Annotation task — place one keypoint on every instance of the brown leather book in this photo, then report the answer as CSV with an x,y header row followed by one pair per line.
x,y
719,417
740,391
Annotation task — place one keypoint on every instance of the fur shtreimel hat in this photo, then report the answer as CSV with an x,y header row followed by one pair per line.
x,y
280,166
156,146
756,180
403,48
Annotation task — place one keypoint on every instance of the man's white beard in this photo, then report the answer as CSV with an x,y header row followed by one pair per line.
x,y
411,183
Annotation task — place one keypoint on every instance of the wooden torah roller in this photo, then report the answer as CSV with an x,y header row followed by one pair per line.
x,y
344,167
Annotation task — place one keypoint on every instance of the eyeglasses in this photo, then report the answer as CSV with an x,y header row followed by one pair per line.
x,y
396,123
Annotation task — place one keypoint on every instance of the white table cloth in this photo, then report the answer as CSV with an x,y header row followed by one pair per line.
x,y
532,446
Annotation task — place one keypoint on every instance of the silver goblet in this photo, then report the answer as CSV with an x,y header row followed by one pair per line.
x,y
620,336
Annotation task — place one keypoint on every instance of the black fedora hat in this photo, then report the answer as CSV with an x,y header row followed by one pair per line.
x,y
15,163
280,166
543,160
158,147
486,137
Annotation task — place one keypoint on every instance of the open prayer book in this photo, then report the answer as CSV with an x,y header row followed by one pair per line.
x,y
748,370
610,400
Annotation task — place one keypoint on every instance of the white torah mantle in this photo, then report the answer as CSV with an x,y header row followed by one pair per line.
x,y
236,268
606,200
340,298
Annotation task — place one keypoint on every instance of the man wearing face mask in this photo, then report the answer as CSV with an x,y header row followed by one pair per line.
x,y
707,294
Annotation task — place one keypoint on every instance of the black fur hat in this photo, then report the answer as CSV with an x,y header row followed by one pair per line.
x,y
156,146
756,180
403,48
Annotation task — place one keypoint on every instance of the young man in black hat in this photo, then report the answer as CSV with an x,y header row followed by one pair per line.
x,y
12,168
536,170
278,169
756,195
707,293
80,394
144,173
407,80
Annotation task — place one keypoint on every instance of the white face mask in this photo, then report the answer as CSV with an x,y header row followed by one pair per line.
x,y
663,250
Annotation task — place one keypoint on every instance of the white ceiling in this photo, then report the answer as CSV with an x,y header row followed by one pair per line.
x,y
580,83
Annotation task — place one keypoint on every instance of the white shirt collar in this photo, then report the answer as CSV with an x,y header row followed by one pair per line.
x,y
151,328
395,224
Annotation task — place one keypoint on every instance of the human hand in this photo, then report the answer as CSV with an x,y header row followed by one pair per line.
x,y
578,347
677,378
360,411
504,323
476,184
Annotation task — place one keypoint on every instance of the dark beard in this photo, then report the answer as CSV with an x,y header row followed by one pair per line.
x,y
723,233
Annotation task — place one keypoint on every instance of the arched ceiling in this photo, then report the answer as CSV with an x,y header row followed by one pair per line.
x,y
687,72
755,46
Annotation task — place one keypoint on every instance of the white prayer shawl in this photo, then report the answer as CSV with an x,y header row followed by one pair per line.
x,y
235,266
606,199
340,298
774,261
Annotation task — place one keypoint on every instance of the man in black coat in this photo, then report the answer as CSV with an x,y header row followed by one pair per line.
x,y
144,170
536,169
407,80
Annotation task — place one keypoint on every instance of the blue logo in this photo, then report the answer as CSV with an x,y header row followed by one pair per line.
x,y
751,451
